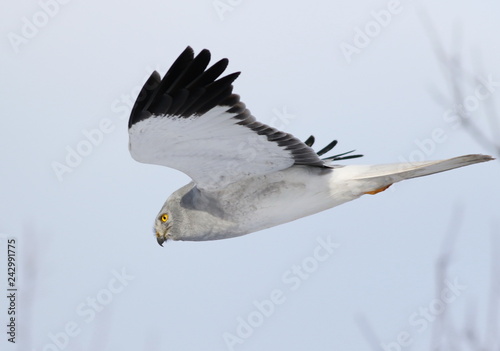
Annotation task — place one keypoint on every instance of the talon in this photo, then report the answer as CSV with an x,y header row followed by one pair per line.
x,y
379,190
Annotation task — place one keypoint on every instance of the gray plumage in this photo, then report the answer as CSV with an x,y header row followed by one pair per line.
x,y
246,175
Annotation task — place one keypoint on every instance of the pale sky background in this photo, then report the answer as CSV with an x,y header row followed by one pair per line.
x,y
83,66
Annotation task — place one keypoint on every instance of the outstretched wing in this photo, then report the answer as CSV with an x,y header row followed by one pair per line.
x,y
191,121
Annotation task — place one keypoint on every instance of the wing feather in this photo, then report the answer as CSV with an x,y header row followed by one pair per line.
x,y
191,121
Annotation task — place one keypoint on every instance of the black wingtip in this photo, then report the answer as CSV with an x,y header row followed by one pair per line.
x,y
204,52
349,157
144,98
188,88
342,156
309,141
327,148
188,51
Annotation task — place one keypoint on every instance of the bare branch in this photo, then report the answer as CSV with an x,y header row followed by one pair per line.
x,y
367,331
455,74
442,265
493,331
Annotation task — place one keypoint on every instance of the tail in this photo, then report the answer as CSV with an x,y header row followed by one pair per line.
x,y
377,178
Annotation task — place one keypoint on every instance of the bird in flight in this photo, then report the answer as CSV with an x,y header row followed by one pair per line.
x,y
246,176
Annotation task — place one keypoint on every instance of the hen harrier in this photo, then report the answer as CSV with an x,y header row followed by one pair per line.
x,y
246,176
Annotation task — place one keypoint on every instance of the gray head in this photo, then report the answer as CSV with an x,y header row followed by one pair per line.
x,y
163,225
170,218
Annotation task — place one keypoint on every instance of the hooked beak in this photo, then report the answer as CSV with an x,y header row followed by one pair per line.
x,y
160,239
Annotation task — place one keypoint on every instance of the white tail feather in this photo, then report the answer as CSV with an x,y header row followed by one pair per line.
x,y
370,179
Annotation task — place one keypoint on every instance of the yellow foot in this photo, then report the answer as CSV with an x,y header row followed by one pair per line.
x,y
379,190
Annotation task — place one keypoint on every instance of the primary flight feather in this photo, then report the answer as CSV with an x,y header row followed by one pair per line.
x,y
246,176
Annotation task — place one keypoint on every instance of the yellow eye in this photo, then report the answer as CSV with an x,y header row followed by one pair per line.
x,y
164,217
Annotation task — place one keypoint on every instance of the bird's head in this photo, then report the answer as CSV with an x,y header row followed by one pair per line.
x,y
173,220
163,225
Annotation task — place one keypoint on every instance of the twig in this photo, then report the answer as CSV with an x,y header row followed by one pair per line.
x,y
442,265
367,331
492,333
455,73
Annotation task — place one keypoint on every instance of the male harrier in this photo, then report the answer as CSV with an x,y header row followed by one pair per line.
x,y
246,175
